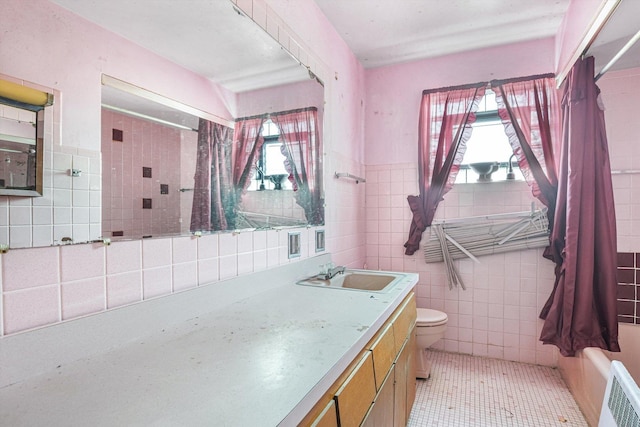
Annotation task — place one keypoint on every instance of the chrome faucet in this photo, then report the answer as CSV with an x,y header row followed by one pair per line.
x,y
328,271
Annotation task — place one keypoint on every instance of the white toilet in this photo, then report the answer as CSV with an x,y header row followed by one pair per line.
x,y
430,327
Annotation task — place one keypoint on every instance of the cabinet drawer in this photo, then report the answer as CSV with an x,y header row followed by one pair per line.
x,y
403,321
356,394
384,353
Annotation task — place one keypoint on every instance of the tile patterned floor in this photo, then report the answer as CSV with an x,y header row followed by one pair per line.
x,y
475,391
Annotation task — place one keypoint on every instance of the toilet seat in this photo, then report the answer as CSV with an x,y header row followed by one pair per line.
x,y
429,317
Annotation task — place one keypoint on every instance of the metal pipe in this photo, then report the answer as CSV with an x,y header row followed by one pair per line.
x,y
617,56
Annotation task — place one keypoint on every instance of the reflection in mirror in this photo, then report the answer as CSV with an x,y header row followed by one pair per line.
x,y
18,149
167,173
221,201
21,139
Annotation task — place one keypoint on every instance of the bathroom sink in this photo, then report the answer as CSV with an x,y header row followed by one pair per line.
x,y
358,280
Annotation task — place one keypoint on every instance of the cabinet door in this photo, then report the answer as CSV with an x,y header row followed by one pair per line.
x,y
381,413
400,399
405,392
411,370
356,394
404,321
384,353
328,417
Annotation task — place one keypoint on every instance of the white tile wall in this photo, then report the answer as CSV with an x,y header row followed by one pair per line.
x,y
78,280
497,315
42,221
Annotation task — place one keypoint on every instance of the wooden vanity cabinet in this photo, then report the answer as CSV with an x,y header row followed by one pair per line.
x,y
355,395
381,413
384,353
405,381
378,388
404,320
411,370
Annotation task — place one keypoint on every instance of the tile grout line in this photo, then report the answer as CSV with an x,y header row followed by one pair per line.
x,y
467,390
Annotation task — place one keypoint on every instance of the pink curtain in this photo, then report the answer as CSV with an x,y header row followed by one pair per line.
x,y
444,127
530,112
245,151
212,180
299,135
581,311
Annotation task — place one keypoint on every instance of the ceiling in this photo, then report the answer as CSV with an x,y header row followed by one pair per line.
x,y
379,32
208,37
384,32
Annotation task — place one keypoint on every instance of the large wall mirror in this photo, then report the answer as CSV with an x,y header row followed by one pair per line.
x,y
152,165
154,173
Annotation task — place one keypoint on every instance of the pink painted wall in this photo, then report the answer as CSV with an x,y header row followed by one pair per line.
x,y
575,24
393,93
344,130
55,48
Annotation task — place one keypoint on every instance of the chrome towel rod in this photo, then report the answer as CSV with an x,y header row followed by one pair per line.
x,y
625,172
357,179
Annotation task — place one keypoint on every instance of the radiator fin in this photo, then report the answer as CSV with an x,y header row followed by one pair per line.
x,y
621,403
623,411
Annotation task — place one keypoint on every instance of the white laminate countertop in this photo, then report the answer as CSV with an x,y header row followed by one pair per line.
x,y
263,360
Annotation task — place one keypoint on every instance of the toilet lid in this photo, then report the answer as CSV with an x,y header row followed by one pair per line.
x,y
429,317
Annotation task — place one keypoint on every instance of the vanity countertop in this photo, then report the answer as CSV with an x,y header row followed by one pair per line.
x,y
262,360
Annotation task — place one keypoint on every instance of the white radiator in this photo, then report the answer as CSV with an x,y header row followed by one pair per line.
x,y
621,403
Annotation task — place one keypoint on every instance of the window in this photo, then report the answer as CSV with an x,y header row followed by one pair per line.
x,y
488,143
271,173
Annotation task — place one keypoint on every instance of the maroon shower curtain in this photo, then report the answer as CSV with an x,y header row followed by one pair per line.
x,y
301,147
530,112
212,180
581,311
444,127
